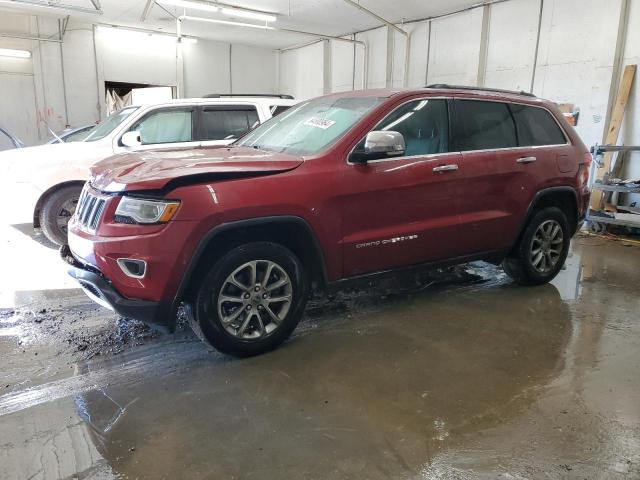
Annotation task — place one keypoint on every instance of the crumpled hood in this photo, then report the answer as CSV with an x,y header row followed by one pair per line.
x,y
155,169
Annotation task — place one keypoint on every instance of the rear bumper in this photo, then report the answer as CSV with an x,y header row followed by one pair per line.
x,y
101,291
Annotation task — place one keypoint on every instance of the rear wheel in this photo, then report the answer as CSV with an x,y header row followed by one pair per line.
x,y
542,250
56,212
251,299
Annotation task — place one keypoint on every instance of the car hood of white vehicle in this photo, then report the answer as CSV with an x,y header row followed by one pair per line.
x,y
23,164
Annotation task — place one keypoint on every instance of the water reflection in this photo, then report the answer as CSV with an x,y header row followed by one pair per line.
x,y
378,392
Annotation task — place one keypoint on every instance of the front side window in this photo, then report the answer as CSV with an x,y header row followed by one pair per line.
x,y
226,123
536,126
110,124
484,125
424,124
165,126
310,127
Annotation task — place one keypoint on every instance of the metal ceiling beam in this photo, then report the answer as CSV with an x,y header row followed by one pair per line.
x,y
50,4
377,17
29,37
147,10
390,47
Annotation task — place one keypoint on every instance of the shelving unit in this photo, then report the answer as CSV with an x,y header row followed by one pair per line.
x,y
596,220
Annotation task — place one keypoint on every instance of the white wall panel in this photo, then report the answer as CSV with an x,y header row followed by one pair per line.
x,y
377,57
575,59
399,59
418,53
342,66
18,109
206,68
455,48
80,76
301,71
134,58
253,70
511,46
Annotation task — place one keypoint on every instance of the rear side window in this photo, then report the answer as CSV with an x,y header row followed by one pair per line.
x,y
484,125
226,123
536,126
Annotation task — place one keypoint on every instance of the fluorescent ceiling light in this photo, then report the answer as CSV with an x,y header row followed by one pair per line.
x,y
9,52
51,6
131,33
235,12
190,4
227,22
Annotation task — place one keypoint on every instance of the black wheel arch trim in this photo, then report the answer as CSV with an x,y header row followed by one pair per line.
x,y
536,198
229,226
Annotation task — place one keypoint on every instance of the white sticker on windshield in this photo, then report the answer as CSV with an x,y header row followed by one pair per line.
x,y
322,123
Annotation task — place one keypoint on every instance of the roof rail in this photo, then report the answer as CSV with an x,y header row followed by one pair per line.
x,y
483,89
266,95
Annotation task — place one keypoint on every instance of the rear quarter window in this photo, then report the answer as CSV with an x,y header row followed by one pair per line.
x,y
536,126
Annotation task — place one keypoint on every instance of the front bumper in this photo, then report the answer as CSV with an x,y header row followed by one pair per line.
x,y
101,291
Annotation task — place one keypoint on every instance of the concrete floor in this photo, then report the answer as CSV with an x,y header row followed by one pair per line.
x,y
468,377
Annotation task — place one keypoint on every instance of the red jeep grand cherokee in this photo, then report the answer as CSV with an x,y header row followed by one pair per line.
x,y
337,187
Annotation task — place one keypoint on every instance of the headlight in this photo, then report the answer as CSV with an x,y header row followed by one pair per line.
x,y
138,210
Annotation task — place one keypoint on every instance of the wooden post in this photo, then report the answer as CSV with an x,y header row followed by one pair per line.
x,y
597,197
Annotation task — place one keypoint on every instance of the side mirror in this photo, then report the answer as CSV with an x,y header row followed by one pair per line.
x,y
379,144
131,139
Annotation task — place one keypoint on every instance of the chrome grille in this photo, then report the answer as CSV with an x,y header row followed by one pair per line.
x,y
89,210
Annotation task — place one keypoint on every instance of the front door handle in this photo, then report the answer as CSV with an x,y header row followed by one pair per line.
x,y
526,159
446,168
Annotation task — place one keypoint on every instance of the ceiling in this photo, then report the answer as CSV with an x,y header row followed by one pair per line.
x,y
327,17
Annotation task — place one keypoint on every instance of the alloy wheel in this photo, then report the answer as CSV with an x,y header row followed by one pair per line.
x,y
67,209
546,246
254,299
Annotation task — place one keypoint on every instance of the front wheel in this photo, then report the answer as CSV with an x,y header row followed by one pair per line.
x,y
251,299
56,212
542,250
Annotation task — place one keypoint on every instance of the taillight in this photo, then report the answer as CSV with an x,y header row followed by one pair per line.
x,y
583,171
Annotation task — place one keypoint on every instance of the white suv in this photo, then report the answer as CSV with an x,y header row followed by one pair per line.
x,y
47,180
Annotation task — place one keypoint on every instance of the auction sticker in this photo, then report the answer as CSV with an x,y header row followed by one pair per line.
x,y
322,123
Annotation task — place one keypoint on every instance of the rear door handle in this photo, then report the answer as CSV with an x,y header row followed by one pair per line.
x,y
526,159
446,168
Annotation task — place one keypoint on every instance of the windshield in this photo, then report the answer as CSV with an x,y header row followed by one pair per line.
x,y
310,127
110,124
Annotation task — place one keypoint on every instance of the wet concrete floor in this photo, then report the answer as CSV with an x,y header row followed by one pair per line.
x,y
461,375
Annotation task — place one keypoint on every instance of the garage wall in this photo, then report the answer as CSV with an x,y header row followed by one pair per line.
x,y
512,45
455,48
17,90
574,62
301,71
63,83
245,62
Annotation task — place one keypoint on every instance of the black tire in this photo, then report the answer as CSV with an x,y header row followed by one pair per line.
x,y
207,312
54,208
520,265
